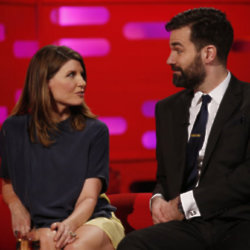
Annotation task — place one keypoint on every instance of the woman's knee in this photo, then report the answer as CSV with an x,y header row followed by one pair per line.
x,y
80,244
91,237
72,246
46,238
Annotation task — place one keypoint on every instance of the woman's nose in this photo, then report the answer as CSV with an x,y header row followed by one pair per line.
x,y
82,82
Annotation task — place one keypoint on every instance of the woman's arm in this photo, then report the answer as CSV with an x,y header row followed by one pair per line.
x,y
84,208
20,216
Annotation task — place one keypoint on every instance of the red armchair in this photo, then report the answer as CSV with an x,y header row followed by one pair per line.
x,y
132,210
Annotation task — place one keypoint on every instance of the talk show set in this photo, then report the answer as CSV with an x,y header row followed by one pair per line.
x,y
124,125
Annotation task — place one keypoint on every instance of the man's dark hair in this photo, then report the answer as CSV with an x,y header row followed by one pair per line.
x,y
208,26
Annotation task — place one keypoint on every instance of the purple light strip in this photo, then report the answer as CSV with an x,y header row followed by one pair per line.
x,y
2,32
87,47
148,108
3,114
149,140
17,94
145,30
68,16
25,49
116,125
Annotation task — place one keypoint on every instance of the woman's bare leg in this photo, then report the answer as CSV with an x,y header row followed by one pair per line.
x,y
90,237
46,238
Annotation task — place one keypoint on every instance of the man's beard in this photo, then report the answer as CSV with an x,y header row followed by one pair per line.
x,y
192,77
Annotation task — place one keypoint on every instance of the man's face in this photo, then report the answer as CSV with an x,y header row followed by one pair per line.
x,y
185,61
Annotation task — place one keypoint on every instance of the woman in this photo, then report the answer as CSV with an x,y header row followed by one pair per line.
x,y
55,159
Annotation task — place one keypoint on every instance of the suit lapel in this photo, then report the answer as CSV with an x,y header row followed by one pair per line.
x,y
229,103
181,121
181,111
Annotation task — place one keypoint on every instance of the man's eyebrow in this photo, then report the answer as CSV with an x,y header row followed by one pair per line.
x,y
176,44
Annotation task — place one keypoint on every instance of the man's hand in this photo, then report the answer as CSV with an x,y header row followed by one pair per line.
x,y
165,211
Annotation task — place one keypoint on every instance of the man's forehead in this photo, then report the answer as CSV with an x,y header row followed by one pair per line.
x,y
180,36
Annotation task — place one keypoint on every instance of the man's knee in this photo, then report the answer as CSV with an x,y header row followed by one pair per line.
x,y
132,241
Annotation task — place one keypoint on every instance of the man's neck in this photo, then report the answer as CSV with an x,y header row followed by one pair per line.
x,y
215,75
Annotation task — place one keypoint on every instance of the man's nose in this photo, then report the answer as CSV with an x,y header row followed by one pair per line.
x,y
170,59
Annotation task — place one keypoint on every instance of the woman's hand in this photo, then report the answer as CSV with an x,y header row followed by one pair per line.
x,y
64,235
83,210
20,219
20,216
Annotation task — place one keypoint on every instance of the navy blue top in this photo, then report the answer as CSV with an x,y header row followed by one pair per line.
x,y
48,180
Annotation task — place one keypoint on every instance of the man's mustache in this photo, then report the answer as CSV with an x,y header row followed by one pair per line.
x,y
175,68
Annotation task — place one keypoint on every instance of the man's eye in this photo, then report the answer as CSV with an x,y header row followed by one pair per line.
x,y
178,50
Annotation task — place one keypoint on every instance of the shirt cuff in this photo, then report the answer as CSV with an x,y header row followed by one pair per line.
x,y
150,201
189,205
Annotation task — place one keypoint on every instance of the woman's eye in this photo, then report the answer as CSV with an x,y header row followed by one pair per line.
x,y
71,74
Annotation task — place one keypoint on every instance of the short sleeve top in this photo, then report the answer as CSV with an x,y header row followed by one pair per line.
x,y
48,180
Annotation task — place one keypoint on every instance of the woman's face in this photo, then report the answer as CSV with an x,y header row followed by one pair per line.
x,y
67,86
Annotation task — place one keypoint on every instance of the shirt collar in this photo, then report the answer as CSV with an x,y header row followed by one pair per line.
x,y
216,94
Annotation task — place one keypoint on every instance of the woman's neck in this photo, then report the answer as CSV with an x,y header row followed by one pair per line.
x,y
60,115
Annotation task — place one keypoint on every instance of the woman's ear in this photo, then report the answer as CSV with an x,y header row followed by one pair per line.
x,y
209,53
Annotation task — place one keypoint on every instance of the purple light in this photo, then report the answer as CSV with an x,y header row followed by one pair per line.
x,y
3,114
18,94
87,47
25,49
149,140
116,125
68,16
2,32
148,108
145,30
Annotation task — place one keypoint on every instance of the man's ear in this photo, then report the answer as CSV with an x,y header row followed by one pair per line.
x,y
208,53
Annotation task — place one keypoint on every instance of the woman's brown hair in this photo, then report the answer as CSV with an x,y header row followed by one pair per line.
x,y
36,98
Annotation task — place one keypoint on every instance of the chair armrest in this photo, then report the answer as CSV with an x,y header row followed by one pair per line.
x,y
132,209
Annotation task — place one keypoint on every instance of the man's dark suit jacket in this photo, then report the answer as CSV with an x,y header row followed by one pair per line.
x,y
224,187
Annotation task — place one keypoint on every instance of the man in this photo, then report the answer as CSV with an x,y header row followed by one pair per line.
x,y
202,196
